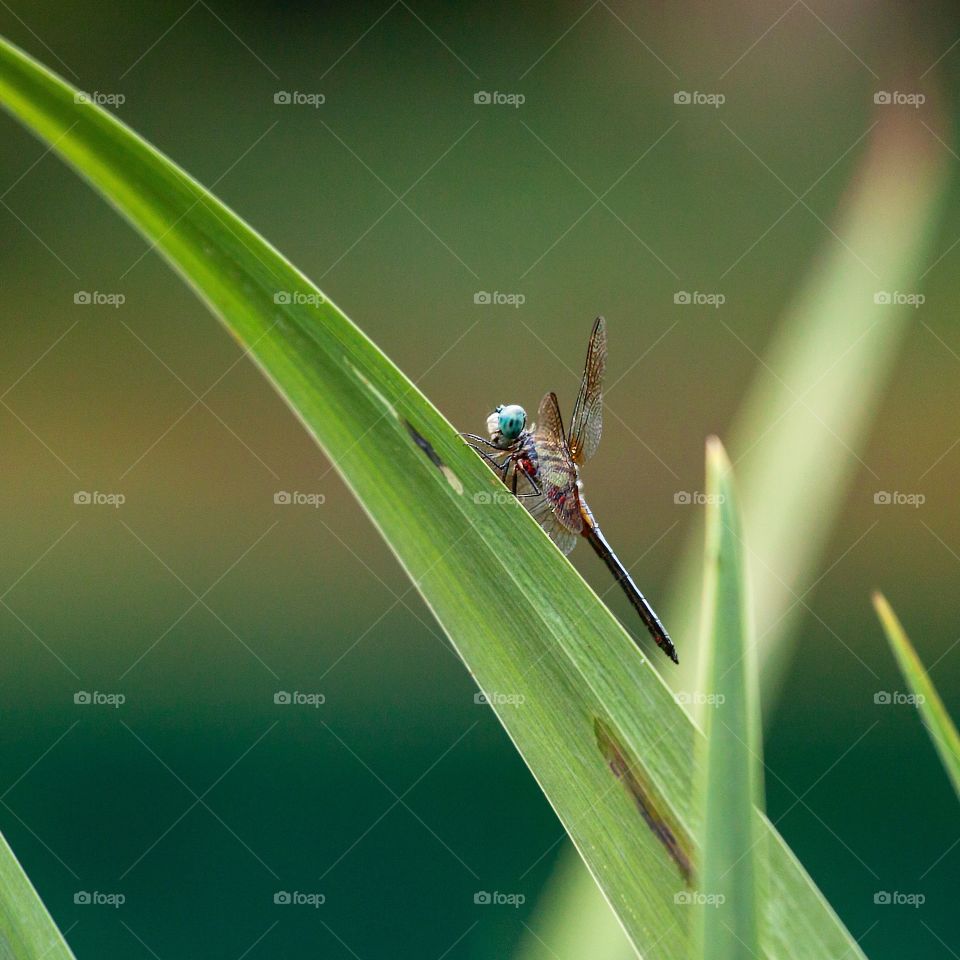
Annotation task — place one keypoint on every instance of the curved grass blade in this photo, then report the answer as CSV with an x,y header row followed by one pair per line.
x,y
572,920
26,929
606,741
731,769
799,434
794,478
935,717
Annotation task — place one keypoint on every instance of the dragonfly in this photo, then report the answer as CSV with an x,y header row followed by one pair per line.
x,y
541,466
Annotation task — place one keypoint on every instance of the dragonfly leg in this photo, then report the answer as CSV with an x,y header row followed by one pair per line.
x,y
537,492
499,467
483,440
503,467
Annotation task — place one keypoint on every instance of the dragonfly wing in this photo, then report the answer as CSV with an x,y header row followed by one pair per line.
x,y
556,472
542,512
587,422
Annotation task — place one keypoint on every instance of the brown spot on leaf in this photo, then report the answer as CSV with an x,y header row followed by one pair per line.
x,y
424,444
651,805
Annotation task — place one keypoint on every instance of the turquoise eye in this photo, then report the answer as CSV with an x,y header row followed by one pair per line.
x,y
513,419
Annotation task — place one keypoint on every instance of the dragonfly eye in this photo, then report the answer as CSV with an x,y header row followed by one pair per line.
x,y
511,420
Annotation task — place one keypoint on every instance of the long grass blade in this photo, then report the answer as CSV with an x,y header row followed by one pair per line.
x,y
731,766
798,437
605,739
942,731
800,429
26,928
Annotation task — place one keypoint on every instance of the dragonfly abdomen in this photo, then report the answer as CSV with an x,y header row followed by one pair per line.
x,y
598,541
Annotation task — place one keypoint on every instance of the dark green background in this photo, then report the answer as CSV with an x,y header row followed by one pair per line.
x,y
109,405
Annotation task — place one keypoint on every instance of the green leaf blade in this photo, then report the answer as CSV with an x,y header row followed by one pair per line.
x,y
26,928
801,426
605,739
732,790
942,731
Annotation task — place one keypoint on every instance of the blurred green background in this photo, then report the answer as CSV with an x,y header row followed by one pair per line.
x,y
200,598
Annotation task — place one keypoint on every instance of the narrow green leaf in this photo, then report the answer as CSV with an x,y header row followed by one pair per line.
x,y
572,920
26,929
799,433
605,739
935,717
731,790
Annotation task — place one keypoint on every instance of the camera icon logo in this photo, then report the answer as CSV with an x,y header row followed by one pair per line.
x,y
882,897
882,697
282,96
82,497
281,896
481,297
681,496
882,298
882,97
82,696
682,297
282,696
282,496
82,297
282,297
682,96
882,496
81,896
482,96
482,897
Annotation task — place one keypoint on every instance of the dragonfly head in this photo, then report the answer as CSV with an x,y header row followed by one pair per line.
x,y
507,421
